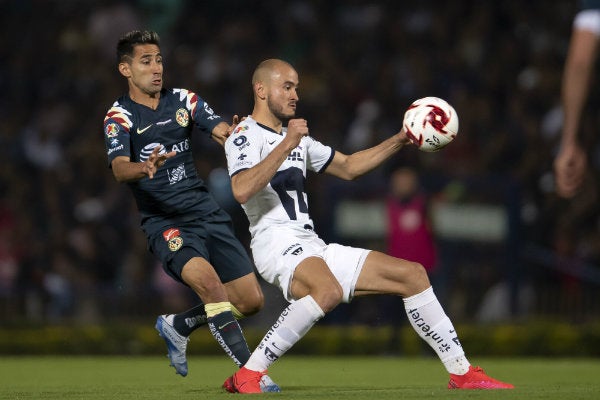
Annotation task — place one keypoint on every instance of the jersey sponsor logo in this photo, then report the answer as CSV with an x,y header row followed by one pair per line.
x,y
271,142
140,131
176,174
147,150
182,117
240,140
114,142
291,247
111,130
241,164
110,151
210,112
181,146
174,241
161,123
242,156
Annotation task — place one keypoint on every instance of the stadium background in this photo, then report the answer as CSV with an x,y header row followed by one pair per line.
x,y
511,252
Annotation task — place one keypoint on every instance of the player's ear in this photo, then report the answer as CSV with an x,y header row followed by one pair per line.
x,y
260,90
125,69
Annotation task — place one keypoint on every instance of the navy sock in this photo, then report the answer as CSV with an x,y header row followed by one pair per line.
x,y
188,321
228,333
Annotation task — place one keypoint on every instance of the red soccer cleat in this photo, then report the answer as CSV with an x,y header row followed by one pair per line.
x,y
248,381
476,379
228,385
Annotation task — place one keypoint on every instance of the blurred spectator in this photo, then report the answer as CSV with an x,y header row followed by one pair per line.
x,y
409,235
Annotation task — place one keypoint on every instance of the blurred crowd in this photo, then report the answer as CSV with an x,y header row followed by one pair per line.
x,y
70,243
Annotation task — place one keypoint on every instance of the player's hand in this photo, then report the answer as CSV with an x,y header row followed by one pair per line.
x,y
403,137
156,160
297,128
569,167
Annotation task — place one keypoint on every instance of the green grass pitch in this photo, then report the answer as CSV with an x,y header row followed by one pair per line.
x,y
300,378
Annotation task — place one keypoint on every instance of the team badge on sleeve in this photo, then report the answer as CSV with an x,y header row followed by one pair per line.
x,y
111,130
173,239
241,128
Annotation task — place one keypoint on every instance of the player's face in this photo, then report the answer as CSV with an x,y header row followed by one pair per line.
x,y
282,95
146,69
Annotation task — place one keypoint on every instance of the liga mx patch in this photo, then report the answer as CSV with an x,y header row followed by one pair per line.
x,y
173,239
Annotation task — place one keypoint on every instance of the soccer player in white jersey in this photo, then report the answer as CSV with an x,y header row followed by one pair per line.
x,y
268,165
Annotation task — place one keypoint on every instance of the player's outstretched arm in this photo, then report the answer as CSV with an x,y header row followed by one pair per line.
x,y
126,171
349,167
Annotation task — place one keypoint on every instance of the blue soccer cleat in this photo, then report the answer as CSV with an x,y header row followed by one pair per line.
x,y
176,344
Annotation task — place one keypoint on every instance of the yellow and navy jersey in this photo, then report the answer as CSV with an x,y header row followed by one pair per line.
x,y
176,193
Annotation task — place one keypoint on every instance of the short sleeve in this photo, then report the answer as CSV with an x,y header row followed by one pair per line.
x,y
319,155
117,125
243,149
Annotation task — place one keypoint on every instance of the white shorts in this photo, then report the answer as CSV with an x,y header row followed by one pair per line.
x,y
278,251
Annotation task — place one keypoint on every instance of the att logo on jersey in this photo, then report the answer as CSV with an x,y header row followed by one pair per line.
x,y
295,156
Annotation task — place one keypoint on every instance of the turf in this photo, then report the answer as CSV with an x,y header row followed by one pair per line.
x,y
300,377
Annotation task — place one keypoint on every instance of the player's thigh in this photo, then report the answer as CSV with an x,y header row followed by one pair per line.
x,y
200,275
382,273
313,277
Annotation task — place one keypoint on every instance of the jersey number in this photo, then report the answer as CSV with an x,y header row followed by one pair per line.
x,y
290,180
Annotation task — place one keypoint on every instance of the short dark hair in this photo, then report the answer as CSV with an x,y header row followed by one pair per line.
x,y
131,39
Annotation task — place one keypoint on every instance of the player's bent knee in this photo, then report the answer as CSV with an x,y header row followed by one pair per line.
x,y
328,298
418,276
250,305
209,290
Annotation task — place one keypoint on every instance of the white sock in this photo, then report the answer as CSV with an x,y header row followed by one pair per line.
x,y
293,323
429,320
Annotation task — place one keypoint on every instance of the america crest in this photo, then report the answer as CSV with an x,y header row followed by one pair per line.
x,y
182,117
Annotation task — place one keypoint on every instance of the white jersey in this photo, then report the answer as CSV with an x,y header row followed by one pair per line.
x,y
283,201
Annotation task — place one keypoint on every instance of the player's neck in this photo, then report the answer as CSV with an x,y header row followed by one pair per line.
x,y
145,99
268,120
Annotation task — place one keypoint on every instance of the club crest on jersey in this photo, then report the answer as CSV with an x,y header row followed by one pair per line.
x,y
173,239
111,130
182,117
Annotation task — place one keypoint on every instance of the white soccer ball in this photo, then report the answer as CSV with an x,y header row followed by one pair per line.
x,y
430,123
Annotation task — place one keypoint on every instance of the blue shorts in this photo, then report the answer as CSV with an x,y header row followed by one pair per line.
x,y
211,239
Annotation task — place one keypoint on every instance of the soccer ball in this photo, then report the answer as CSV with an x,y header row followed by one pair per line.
x,y
430,123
